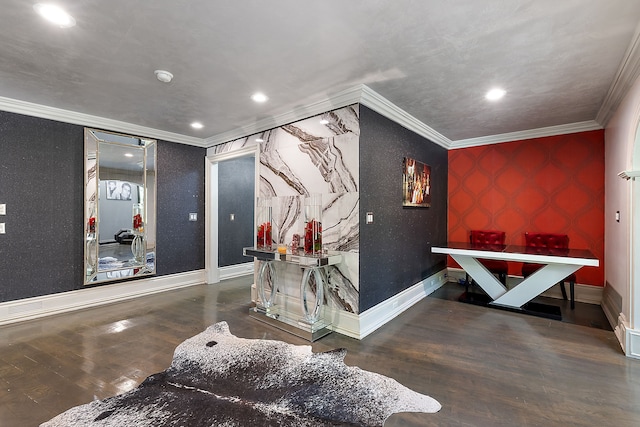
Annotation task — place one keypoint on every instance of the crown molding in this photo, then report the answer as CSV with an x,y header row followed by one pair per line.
x,y
527,134
358,94
338,100
383,106
67,116
361,94
628,72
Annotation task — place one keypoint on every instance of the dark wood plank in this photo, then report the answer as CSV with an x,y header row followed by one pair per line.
x,y
487,367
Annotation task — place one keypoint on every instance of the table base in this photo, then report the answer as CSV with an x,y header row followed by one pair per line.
x,y
297,327
531,308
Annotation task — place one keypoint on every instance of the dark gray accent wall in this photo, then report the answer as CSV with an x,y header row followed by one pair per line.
x,y
180,192
236,189
395,251
41,182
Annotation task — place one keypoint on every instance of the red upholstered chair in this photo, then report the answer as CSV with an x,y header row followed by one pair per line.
x,y
490,238
549,241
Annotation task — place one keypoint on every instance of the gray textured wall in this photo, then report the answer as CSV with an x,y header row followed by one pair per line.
x,y
395,251
180,191
236,191
41,181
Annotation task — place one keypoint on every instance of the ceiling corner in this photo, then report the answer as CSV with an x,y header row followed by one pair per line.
x,y
386,108
73,117
625,77
585,126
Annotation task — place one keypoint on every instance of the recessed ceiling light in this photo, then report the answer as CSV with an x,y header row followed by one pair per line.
x,y
197,125
55,14
259,97
163,76
259,140
495,94
324,122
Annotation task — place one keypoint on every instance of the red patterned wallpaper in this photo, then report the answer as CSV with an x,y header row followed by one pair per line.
x,y
553,184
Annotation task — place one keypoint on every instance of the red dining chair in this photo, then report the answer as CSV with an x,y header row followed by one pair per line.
x,y
490,238
549,241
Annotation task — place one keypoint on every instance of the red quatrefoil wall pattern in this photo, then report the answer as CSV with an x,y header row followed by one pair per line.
x,y
552,184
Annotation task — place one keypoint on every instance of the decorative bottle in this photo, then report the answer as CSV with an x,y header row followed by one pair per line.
x,y
138,246
264,238
313,225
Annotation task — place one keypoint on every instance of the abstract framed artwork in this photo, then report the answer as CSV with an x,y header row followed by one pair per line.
x,y
416,184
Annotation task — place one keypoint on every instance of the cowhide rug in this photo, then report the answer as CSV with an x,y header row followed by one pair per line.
x,y
218,379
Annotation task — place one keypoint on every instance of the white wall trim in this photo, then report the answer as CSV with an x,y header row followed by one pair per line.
x,y
213,272
359,326
338,100
632,343
386,108
237,270
384,312
68,116
358,94
36,307
628,72
211,220
629,338
611,310
527,134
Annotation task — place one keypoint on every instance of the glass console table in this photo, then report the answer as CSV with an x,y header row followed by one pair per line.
x,y
310,321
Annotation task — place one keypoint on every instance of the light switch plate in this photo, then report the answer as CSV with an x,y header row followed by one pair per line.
x,y
232,217
193,216
3,209
369,217
1,227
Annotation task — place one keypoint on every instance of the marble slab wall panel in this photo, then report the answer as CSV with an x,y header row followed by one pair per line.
x,y
313,157
231,146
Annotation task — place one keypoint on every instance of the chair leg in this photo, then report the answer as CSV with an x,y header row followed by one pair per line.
x,y
503,279
572,292
564,291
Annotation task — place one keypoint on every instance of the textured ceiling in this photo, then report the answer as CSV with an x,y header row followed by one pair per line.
x,y
434,59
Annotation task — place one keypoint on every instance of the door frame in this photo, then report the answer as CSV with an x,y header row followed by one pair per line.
x,y
212,268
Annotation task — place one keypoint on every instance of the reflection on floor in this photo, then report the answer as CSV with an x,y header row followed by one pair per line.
x,y
487,367
117,250
584,314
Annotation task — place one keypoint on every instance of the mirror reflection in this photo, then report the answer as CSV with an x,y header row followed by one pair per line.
x,y
120,188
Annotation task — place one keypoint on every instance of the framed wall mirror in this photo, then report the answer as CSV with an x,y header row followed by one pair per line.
x,y
119,207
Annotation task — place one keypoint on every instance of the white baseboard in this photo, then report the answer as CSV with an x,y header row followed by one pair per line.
x,y
612,309
632,343
359,326
629,338
583,293
377,316
236,270
33,308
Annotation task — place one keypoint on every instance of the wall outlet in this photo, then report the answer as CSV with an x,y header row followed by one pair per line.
x,y
1,227
3,209
193,216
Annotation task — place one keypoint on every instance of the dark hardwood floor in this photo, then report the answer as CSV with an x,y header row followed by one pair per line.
x,y
487,367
